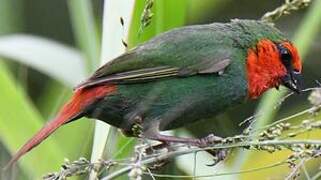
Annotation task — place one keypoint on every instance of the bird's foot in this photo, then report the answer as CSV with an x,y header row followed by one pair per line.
x,y
208,140
201,142
218,155
211,139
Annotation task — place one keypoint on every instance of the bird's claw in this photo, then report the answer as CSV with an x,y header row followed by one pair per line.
x,y
218,156
208,140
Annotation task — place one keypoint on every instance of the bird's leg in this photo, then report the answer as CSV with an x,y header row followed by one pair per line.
x,y
219,155
200,142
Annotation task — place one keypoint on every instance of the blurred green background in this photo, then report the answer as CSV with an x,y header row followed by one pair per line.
x,y
34,83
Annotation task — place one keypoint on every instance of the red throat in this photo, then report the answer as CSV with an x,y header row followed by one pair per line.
x,y
264,68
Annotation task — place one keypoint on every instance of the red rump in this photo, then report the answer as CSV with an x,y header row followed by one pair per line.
x,y
82,98
265,68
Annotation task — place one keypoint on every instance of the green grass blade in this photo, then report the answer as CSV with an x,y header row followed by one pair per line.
x,y
113,34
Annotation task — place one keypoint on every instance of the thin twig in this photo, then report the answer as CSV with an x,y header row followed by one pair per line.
x,y
295,170
307,176
285,9
194,166
222,174
177,153
150,174
287,118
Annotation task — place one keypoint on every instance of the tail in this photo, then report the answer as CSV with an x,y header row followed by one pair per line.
x,y
80,100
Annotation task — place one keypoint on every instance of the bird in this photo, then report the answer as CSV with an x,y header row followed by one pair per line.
x,y
182,76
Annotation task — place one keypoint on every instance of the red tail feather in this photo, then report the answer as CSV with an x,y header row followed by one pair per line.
x,y
81,99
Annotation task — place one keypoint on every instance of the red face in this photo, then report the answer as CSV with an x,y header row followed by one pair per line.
x,y
272,64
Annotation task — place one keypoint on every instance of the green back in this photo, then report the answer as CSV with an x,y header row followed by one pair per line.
x,y
189,45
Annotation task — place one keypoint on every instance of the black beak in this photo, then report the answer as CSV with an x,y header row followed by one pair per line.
x,y
293,80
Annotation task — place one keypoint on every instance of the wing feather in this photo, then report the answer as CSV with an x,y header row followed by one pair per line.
x,y
147,74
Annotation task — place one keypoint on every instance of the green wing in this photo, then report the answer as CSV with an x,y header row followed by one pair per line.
x,y
179,53
146,74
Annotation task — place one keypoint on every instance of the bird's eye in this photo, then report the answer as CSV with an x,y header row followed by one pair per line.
x,y
285,55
